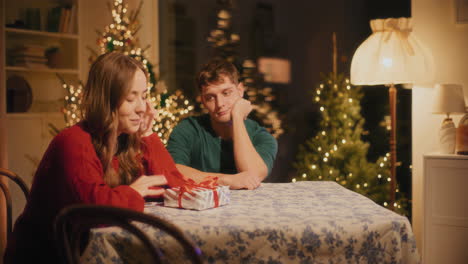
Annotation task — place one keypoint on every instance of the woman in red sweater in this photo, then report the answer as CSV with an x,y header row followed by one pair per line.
x,y
110,158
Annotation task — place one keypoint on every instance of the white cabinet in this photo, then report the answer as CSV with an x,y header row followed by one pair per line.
x,y
445,222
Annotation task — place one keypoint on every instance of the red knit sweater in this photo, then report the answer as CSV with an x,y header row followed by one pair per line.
x,y
70,172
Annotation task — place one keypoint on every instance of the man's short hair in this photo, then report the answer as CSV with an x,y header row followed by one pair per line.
x,y
214,72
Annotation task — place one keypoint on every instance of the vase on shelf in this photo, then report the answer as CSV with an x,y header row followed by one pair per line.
x,y
462,136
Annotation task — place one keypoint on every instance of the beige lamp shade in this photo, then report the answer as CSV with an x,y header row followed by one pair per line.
x,y
448,98
391,55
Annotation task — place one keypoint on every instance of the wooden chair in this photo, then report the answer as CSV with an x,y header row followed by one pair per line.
x,y
20,182
73,223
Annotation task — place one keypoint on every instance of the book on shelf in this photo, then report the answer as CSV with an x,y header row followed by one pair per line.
x,y
31,65
53,19
21,53
65,15
29,50
17,60
62,19
72,20
28,55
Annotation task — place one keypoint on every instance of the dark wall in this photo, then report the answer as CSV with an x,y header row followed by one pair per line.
x,y
308,28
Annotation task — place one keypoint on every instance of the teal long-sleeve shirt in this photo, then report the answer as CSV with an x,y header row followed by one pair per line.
x,y
194,143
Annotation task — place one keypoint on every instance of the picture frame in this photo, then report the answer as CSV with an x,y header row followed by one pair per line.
x,y
461,11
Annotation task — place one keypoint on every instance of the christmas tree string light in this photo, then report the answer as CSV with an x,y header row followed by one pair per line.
x,y
327,156
71,109
120,36
337,152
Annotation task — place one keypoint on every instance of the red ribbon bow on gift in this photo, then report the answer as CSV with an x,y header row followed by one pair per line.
x,y
190,185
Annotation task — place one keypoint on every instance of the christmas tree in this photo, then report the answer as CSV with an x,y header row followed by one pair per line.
x,y
223,39
337,152
262,98
120,36
72,104
225,42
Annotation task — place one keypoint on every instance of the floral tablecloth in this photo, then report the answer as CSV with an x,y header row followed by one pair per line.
x,y
302,222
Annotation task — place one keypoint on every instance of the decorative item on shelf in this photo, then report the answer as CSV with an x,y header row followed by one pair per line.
x,y
391,55
448,99
54,57
17,23
461,146
19,94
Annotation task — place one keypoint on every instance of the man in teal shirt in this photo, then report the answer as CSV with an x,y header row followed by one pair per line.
x,y
224,142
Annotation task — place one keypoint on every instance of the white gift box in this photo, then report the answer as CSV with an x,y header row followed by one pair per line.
x,y
198,198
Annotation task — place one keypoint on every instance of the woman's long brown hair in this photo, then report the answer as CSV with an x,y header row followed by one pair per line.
x,y
108,84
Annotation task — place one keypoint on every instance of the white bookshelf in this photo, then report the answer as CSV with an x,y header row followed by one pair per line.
x,y
49,70
29,32
28,132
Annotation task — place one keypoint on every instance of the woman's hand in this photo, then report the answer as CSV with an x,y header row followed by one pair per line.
x,y
146,126
143,183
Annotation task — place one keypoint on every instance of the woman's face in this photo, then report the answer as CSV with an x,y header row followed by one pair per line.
x,y
130,112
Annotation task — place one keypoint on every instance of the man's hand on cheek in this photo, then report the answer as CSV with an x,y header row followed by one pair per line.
x,y
241,109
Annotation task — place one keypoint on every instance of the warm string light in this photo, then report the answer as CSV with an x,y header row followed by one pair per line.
x,y
177,107
324,168
261,98
120,36
72,103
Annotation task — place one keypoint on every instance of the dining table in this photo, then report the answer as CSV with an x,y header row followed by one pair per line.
x,y
297,222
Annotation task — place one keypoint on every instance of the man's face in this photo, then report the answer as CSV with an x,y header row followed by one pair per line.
x,y
219,98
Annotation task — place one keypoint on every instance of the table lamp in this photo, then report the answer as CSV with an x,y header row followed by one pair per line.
x,y
391,55
448,99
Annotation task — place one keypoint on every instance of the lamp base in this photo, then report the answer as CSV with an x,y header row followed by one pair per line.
x,y
447,136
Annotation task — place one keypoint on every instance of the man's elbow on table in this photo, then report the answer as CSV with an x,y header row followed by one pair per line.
x,y
259,172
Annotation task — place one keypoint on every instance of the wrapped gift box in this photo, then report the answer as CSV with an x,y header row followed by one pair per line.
x,y
199,198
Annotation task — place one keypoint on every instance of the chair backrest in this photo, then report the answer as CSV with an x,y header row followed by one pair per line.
x,y
74,222
20,182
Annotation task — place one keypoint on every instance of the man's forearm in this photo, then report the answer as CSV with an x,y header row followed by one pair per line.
x,y
195,174
246,156
234,181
